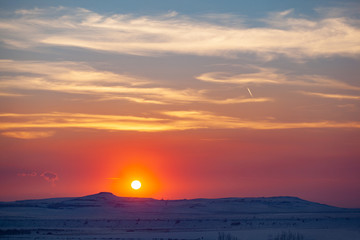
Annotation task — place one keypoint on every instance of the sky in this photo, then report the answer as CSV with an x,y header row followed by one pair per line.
x,y
196,99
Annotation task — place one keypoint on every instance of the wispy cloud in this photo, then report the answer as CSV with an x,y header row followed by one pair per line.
x,y
6,94
334,96
80,78
57,120
113,178
28,174
200,119
78,72
28,134
48,176
169,121
263,76
147,35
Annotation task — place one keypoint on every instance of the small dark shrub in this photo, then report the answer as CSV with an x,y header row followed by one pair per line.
x,y
226,236
288,236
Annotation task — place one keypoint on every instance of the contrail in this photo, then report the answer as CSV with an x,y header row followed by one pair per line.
x,y
250,92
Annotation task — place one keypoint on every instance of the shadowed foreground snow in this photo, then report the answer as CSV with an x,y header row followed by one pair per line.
x,y
106,216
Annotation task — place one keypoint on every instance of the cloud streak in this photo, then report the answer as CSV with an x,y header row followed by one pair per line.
x,y
31,174
28,134
56,120
169,121
80,78
48,176
333,96
149,35
266,76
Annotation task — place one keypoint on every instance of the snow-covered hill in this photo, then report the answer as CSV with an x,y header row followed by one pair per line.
x,y
106,204
106,216
221,206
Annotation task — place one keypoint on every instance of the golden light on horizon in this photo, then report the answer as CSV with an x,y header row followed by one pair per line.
x,y
136,184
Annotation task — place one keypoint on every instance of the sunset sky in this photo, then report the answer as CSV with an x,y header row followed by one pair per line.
x,y
193,98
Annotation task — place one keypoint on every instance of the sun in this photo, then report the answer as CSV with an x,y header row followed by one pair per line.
x,y
136,184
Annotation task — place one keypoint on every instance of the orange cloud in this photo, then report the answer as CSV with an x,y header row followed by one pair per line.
x,y
170,121
334,96
6,94
28,134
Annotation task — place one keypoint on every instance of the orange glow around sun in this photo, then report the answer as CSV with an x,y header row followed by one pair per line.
x,y
136,176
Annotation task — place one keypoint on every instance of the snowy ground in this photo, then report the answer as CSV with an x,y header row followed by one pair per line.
x,y
105,216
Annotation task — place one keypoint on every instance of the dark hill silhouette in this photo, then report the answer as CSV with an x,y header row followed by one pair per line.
x,y
107,203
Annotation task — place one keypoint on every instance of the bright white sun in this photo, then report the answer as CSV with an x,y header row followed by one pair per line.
x,y
136,184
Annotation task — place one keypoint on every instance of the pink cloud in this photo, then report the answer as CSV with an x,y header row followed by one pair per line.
x,y
32,174
50,177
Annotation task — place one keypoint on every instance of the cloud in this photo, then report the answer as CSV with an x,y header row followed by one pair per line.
x,y
295,37
56,120
262,76
201,119
28,134
31,174
240,100
80,78
6,94
66,71
266,76
169,121
333,96
50,177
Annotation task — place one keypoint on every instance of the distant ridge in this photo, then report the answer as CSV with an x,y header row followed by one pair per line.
x,y
107,204
107,216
